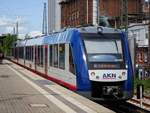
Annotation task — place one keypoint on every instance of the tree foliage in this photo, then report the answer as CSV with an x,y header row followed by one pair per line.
x,y
8,44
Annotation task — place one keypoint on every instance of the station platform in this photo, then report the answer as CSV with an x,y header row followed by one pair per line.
x,y
22,91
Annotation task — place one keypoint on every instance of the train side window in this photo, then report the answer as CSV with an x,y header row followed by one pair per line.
x,y
19,48
12,52
56,55
71,62
15,52
50,55
29,57
31,53
62,56
38,62
21,51
27,53
41,63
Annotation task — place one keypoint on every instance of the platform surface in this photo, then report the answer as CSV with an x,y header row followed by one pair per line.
x,y
22,91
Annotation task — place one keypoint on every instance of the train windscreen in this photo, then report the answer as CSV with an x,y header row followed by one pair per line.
x,y
104,50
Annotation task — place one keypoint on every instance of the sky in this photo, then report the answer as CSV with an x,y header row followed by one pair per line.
x,y
28,13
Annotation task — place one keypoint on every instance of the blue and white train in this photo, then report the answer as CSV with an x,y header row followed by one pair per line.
x,y
93,61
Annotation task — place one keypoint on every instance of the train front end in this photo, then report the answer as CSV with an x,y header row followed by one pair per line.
x,y
109,65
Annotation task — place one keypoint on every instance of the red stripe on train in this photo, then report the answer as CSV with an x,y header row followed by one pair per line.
x,y
48,77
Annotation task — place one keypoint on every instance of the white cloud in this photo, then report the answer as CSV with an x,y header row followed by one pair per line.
x,y
8,21
35,33
22,29
4,21
8,24
20,20
21,36
10,29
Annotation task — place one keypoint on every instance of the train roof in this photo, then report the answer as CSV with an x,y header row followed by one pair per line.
x,y
65,35
98,29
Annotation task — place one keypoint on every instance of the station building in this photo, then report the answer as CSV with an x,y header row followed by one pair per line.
x,y
140,33
81,12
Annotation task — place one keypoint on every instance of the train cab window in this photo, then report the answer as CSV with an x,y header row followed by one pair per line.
x,y
71,62
62,56
104,51
55,55
50,55
111,50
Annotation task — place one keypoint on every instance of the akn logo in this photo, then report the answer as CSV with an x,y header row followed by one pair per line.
x,y
109,76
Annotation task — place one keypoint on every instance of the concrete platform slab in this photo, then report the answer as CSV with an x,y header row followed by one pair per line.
x,y
22,91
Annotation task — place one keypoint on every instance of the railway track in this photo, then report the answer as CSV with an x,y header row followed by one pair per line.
x,y
130,106
145,102
123,107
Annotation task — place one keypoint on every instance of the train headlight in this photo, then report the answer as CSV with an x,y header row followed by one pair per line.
x,y
92,73
123,73
99,30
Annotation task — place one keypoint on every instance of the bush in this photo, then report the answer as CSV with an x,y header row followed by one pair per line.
x,y
136,82
8,44
146,84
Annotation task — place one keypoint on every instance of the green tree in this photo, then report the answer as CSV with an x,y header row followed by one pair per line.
x,y
8,44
